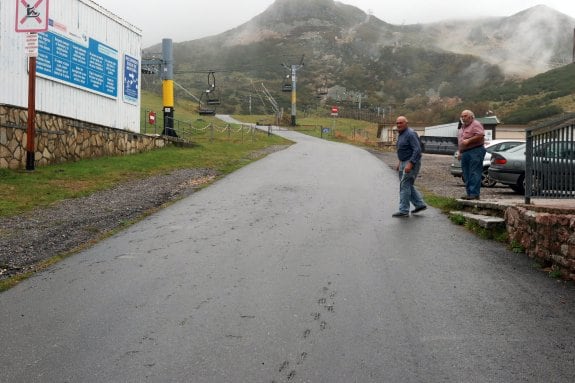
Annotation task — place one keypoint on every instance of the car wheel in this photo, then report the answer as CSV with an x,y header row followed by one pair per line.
x,y
487,181
519,187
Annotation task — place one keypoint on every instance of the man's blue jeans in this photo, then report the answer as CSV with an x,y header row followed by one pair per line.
x,y
472,167
407,191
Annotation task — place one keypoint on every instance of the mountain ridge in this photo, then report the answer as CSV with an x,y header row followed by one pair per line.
x,y
355,55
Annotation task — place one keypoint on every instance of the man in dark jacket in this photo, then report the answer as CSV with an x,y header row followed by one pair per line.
x,y
409,155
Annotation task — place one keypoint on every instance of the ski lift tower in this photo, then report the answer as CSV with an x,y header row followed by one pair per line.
x,y
168,87
166,66
294,68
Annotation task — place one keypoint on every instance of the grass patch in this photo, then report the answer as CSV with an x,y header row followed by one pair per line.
x,y
516,247
481,231
445,204
457,219
555,272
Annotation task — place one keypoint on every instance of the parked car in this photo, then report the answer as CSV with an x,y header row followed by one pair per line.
x,y
508,168
491,146
553,167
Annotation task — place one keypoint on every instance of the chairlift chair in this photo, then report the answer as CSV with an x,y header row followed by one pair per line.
x,y
207,112
212,98
203,111
287,86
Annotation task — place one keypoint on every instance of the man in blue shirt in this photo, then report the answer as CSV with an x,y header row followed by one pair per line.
x,y
409,155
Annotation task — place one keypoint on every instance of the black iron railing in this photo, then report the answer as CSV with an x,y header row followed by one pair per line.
x,y
550,159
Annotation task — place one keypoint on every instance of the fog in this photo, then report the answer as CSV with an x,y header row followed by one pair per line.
x,y
183,20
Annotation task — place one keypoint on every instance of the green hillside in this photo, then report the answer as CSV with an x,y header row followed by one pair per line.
x,y
540,97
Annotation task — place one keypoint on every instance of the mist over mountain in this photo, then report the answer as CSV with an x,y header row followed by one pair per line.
x,y
523,45
362,59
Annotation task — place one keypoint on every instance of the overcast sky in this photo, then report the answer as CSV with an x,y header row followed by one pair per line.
x,y
183,20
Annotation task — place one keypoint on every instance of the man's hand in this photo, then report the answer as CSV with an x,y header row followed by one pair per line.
x,y
408,167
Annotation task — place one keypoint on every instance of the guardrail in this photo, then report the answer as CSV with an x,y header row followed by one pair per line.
x,y
550,159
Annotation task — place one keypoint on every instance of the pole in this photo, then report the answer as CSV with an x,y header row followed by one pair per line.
x,y
31,127
293,95
293,68
168,87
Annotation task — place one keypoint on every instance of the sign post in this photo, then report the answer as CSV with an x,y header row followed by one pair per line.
x,y
31,18
334,114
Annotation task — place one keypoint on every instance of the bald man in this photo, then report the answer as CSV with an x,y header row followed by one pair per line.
x,y
409,155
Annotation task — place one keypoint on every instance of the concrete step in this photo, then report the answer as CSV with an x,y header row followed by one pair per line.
x,y
491,204
486,221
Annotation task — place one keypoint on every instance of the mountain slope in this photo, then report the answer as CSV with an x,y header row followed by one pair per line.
x,y
421,69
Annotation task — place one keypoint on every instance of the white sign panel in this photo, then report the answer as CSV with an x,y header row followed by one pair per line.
x,y
31,47
31,15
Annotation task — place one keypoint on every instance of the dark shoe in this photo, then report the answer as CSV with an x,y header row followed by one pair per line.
x,y
418,209
469,197
400,214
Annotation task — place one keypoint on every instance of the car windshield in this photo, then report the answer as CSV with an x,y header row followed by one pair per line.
x,y
502,146
517,148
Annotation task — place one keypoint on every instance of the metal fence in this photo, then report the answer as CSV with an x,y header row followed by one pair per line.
x,y
550,159
187,131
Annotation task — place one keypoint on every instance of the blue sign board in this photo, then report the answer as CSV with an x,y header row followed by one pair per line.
x,y
131,78
93,67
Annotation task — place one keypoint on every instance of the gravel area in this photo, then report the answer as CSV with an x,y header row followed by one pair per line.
x,y
40,234
435,177
28,239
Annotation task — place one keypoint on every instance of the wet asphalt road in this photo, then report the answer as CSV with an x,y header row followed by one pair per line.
x,y
291,270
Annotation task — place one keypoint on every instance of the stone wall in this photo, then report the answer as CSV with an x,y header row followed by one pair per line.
x,y
546,234
61,139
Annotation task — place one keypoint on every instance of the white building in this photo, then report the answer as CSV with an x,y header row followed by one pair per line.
x,y
88,64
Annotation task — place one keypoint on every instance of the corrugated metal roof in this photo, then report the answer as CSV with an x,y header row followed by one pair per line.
x,y
112,16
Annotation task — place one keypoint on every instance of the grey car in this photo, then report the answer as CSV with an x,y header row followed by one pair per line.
x,y
553,167
508,168
490,147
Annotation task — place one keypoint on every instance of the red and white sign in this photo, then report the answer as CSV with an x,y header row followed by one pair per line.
x,y
334,111
31,47
31,15
152,118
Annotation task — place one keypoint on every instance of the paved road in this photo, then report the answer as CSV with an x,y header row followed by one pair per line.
x,y
291,270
